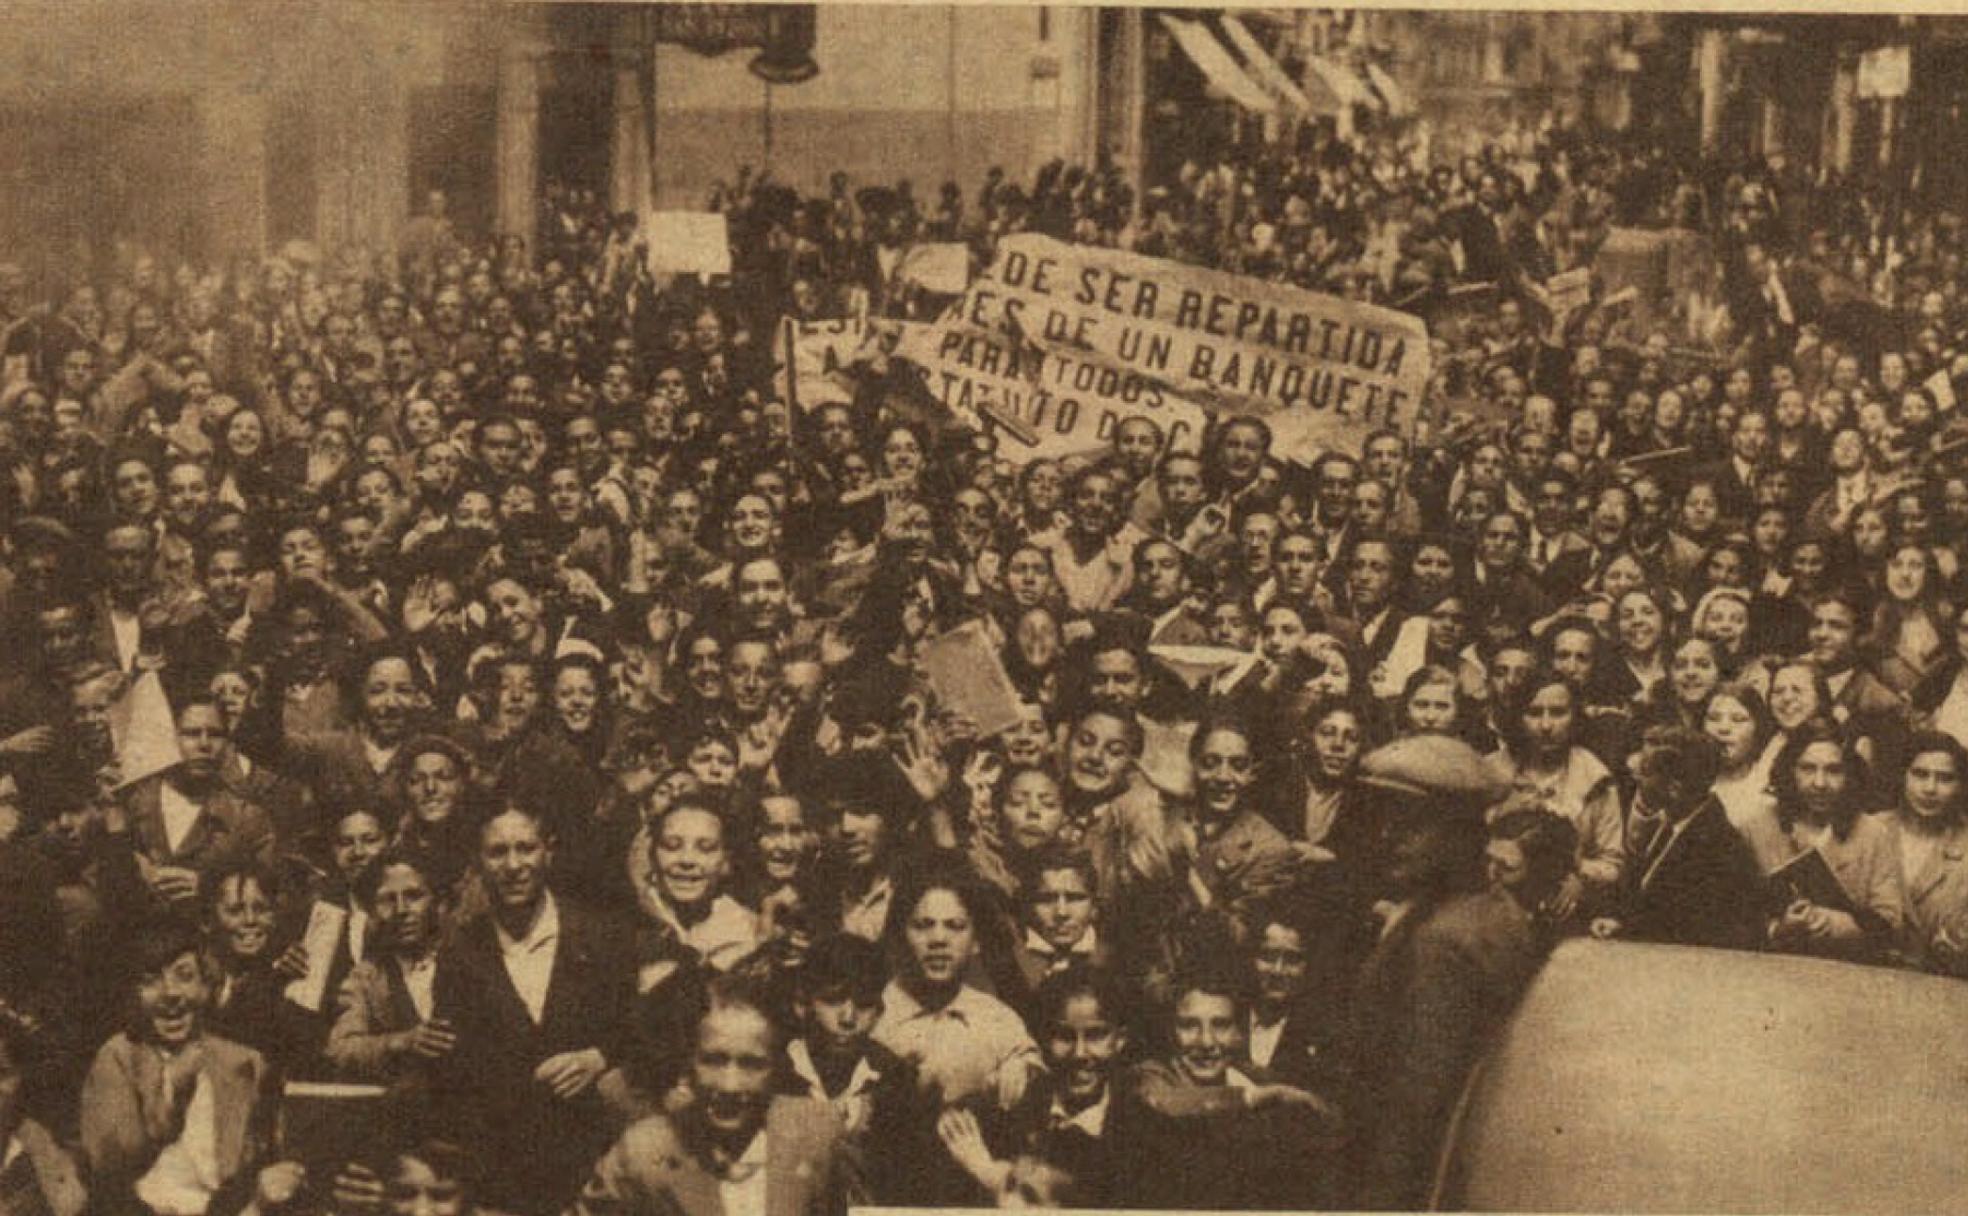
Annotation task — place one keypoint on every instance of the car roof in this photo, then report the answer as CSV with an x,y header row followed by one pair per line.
x,y
1648,1078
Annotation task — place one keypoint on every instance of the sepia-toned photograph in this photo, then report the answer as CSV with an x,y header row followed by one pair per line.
x,y
747,609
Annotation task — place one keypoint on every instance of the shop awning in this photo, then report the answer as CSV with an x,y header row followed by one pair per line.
x,y
1345,83
1399,104
1217,65
1259,63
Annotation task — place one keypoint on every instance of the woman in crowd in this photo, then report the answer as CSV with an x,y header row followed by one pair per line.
x,y
1547,768
1739,721
1932,823
1819,779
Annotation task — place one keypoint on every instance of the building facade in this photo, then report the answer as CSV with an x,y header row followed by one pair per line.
x,y
229,127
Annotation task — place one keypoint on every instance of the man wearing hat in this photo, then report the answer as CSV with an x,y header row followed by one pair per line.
x,y
1452,959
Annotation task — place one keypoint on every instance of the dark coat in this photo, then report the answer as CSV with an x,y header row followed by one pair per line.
x,y
653,1170
536,1149
1427,1001
1700,888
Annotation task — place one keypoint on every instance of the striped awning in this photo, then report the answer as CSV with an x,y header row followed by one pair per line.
x,y
1218,66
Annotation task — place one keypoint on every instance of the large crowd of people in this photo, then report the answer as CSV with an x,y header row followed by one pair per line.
x,y
465,738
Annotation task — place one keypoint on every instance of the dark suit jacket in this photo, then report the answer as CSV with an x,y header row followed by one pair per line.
x,y
1092,1162
1304,1056
229,830
1427,1000
653,1171
1872,710
535,1147
1701,888
1190,1146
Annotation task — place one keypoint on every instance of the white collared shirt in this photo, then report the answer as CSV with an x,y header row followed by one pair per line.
x,y
1264,1041
727,934
420,980
185,1176
965,1045
1836,683
529,960
855,1103
379,758
1061,959
742,1188
358,932
1092,1120
860,1081
867,916
179,813
128,630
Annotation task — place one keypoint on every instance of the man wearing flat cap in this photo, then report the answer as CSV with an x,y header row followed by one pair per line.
x,y
1452,959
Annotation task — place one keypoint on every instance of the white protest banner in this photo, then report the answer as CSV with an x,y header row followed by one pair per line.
x,y
1224,341
815,359
687,242
938,268
1050,404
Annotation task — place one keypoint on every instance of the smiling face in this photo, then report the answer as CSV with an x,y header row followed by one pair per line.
x,y
1281,962
1081,1046
1207,1036
1725,622
689,856
731,1072
1099,754
437,785
390,698
513,857
576,697
784,838
172,1001
242,917
1640,625
1694,671
1225,768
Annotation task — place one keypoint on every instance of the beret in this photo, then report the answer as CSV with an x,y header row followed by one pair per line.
x,y
1432,766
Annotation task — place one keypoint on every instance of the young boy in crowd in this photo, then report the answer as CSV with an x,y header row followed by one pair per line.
x,y
1058,1142
834,1057
1200,1104
1292,1023
1059,929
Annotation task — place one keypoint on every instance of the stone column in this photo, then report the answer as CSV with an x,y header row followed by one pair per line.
x,y
629,175
1844,115
518,156
1713,67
